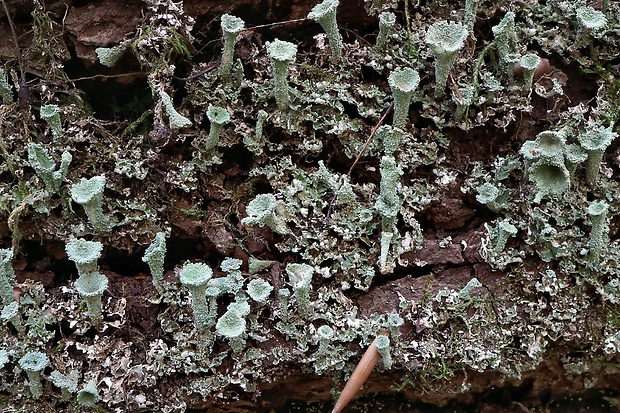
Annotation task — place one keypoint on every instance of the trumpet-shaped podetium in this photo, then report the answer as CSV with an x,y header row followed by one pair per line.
x,y
109,56
550,177
388,203
573,156
195,277
383,346
88,395
33,363
7,276
10,312
231,324
154,257
505,230
89,194
386,22
529,64
394,322
51,114
281,54
463,100
325,14
66,382
218,116
590,20
595,140
176,120
263,210
45,167
471,9
506,39
487,195
259,290
231,27
300,277
445,40
403,83
550,146
84,254
91,288
599,233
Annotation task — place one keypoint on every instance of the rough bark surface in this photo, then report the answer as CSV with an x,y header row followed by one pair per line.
x,y
474,324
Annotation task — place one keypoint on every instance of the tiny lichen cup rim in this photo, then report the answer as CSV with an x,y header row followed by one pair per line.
x,y
446,36
33,361
195,274
323,9
281,50
232,24
87,189
405,80
82,251
218,115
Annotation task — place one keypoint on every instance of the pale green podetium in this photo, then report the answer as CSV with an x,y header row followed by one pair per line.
x,y
386,22
590,21
109,56
7,276
89,194
218,116
325,14
300,277
529,64
231,27
195,277
599,233
154,256
51,114
66,382
10,312
551,177
91,288
33,363
387,205
176,120
471,9
506,39
505,230
595,140
255,143
232,325
445,40
403,83
259,290
382,343
281,54
84,254
45,167
88,395
263,210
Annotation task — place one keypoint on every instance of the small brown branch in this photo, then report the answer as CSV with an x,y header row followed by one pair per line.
x,y
372,134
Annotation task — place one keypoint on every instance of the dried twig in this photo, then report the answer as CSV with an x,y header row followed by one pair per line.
x,y
372,134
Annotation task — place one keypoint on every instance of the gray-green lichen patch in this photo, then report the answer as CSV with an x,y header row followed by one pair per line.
x,y
323,226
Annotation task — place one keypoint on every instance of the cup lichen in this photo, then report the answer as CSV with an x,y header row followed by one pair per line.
x,y
446,39
33,363
325,14
195,276
281,54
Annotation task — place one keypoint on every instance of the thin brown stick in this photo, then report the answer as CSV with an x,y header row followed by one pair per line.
x,y
372,134
24,92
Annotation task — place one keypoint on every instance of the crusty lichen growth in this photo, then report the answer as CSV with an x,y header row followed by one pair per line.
x,y
323,236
